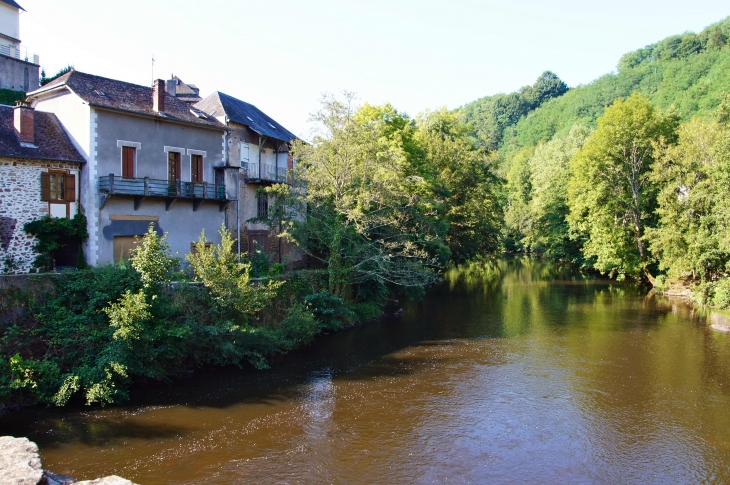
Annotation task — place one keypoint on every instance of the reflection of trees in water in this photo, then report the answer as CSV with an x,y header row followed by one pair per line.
x,y
484,273
488,272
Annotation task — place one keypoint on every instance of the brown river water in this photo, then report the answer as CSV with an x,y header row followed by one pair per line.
x,y
514,372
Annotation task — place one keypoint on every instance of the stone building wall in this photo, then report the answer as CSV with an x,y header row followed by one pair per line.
x,y
20,202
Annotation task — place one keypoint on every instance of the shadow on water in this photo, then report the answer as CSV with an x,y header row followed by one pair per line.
x,y
497,298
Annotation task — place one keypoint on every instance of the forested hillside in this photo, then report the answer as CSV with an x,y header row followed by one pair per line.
x,y
689,71
627,175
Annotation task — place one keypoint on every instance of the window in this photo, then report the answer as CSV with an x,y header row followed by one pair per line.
x,y
128,157
196,169
58,187
262,204
194,249
244,152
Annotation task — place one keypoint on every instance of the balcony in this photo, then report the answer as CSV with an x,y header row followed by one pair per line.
x,y
265,173
171,192
19,52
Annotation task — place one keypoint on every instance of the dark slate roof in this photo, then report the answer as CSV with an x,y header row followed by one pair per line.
x,y
50,138
10,2
247,114
119,95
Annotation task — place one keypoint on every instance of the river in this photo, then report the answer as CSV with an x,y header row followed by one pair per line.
x,y
512,372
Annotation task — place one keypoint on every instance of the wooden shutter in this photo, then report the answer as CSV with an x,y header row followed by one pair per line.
x,y
45,186
174,170
69,188
197,169
128,162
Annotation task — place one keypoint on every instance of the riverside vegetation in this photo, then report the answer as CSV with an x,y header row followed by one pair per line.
x,y
626,176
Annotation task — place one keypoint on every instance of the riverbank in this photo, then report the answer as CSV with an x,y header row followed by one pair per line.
x,y
91,334
697,297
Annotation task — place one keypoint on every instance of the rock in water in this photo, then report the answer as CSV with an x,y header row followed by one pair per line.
x,y
112,480
19,462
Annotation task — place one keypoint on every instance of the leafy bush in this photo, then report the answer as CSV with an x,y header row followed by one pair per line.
x,y
217,267
332,312
299,327
719,293
151,259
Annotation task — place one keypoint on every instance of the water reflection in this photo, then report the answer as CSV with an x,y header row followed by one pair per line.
x,y
513,371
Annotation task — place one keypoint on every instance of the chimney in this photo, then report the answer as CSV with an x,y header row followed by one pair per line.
x,y
171,87
158,95
23,121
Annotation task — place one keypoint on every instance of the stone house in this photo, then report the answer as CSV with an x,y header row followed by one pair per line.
x,y
150,159
19,70
259,148
39,173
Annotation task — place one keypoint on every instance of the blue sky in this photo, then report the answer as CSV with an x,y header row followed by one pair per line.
x,y
417,55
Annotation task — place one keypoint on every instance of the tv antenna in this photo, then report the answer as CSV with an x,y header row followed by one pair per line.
x,y
153,68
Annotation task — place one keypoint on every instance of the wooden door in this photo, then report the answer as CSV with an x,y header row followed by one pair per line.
x,y
123,246
196,169
258,241
128,162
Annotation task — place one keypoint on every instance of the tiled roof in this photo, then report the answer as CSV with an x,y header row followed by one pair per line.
x,y
247,114
50,138
123,96
12,3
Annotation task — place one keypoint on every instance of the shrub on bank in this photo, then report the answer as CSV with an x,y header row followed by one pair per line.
x,y
102,328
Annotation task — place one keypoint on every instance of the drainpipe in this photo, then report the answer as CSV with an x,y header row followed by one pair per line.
x,y
238,212
276,162
261,147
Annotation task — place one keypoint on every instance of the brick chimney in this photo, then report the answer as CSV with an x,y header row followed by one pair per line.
x,y
23,121
158,95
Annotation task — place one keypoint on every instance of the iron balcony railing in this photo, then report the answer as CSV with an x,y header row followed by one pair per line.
x,y
147,187
266,172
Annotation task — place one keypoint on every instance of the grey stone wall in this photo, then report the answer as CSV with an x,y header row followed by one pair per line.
x,y
18,75
20,202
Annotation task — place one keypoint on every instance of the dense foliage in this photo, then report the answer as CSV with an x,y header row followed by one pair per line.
x,y
628,174
492,115
9,97
98,330
670,73
55,234
384,200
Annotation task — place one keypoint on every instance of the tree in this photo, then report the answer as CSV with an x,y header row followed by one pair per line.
x,y
461,178
547,86
364,212
611,195
518,191
692,239
549,169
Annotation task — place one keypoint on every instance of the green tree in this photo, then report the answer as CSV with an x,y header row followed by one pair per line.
x,y
365,212
611,195
518,190
462,180
692,238
549,169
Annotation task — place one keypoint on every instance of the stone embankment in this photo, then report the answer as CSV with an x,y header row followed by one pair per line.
x,y
20,464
